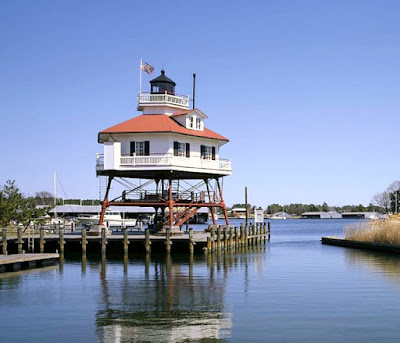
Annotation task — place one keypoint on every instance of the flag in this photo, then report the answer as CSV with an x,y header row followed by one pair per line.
x,y
147,67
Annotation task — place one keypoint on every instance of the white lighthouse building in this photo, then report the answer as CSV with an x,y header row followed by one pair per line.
x,y
170,146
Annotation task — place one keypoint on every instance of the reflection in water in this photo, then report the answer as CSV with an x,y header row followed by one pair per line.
x,y
385,264
168,300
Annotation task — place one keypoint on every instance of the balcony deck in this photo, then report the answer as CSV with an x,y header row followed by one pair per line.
x,y
148,99
164,164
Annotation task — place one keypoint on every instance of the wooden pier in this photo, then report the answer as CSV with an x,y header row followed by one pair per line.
x,y
215,238
26,261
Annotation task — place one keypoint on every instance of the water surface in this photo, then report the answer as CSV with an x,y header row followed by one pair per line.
x,y
292,290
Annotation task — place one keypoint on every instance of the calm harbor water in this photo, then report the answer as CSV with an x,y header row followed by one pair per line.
x,y
293,290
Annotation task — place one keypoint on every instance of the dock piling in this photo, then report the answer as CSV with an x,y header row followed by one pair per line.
x,y
212,238
4,236
219,238
236,237
147,242
191,241
126,241
168,240
103,240
19,240
61,241
41,240
83,240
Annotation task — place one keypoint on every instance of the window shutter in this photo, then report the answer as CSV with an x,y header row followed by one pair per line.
x,y
187,150
202,151
132,148
213,152
176,147
147,148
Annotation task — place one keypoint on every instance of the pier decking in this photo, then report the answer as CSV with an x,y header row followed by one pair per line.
x,y
217,237
23,261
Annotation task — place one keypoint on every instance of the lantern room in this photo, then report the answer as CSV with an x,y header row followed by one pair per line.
x,y
162,84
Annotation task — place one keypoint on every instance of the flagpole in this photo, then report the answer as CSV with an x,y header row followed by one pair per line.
x,y
140,77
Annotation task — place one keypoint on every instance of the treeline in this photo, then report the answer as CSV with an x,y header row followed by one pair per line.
x,y
299,209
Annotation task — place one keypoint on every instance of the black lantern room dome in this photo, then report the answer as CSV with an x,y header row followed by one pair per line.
x,y
162,84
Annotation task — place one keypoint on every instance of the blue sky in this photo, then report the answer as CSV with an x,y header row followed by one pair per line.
x,y
307,91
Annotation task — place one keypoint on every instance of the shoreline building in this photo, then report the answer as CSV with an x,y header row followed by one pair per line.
x,y
170,147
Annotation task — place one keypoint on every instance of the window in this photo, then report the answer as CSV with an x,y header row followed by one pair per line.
x,y
191,119
181,149
207,152
140,148
198,124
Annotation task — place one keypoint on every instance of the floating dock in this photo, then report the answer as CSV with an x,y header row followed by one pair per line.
x,y
26,261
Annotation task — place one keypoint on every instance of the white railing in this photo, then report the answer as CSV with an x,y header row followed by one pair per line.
x,y
152,99
99,160
146,160
167,160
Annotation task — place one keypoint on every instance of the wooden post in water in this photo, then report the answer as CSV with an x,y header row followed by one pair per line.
x,y
126,241
83,240
219,238
264,233
168,240
249,237
41,241
209,244
236,237
231,241
19,240
4,236
212,238
226,241
191,241
147,242
103,240
269,231
61,240
258,232
241,234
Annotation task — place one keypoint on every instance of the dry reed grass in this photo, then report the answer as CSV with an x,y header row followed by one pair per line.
x,y
385,231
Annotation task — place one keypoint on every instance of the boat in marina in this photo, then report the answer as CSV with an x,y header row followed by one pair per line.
x,y
111,218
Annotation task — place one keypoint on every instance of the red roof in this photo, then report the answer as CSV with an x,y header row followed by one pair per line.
x,y
159,123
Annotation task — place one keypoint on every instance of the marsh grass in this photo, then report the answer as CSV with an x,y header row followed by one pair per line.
x,y
385,231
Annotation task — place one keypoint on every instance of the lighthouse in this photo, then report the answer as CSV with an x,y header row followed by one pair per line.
x,y
169,158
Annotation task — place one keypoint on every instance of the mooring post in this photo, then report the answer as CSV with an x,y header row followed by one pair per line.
x,y
264,233
191,241
168,240
248,232
241,234
258,233
226,233
208,244
269,231
219,238
231,241
41,240
236,237
147,242
103,240
126,241
83,240
212,238
61,240
4,236
19,240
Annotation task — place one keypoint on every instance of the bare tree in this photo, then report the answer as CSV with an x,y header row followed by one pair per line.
x,y
393,187
44,198
382,200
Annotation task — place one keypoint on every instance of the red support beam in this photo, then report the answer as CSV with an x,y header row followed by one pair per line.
x,y
105,203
